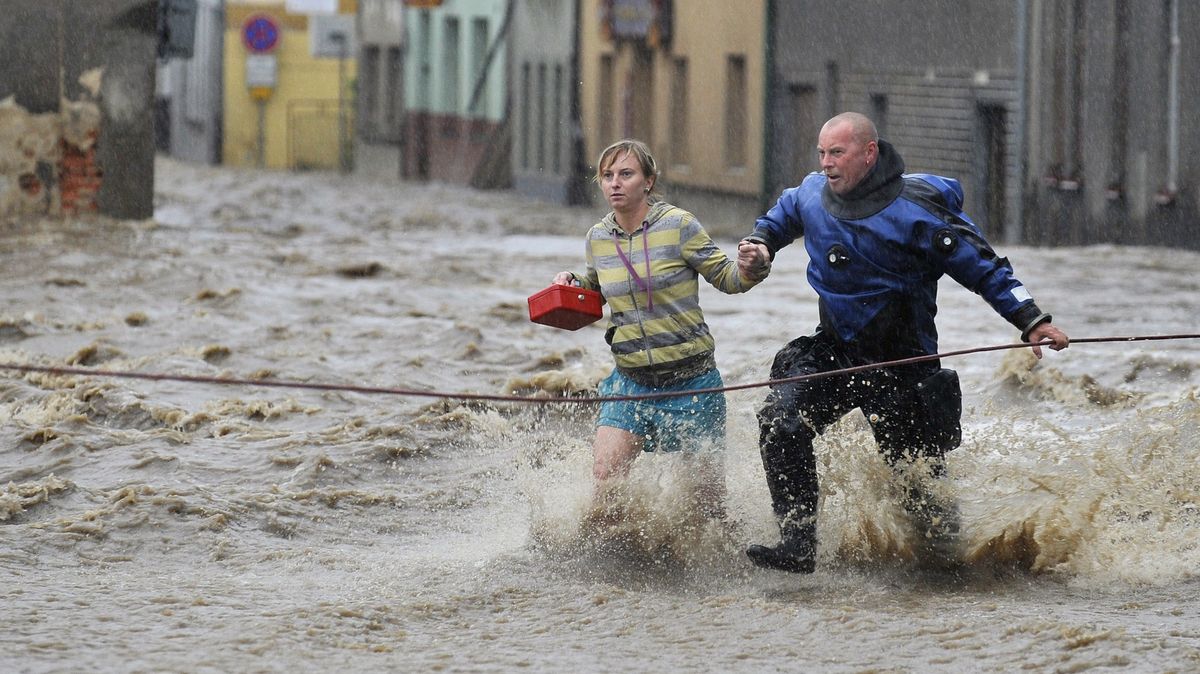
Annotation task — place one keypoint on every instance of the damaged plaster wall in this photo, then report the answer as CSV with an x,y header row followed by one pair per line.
x,y
47,160
76,104
29,157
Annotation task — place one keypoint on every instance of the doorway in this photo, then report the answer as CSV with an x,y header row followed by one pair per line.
x,y
796,125
993,127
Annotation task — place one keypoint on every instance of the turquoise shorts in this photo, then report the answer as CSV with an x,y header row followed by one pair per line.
x,y
689,423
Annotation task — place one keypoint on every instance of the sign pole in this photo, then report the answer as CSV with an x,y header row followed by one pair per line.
x,y
260,35
262,133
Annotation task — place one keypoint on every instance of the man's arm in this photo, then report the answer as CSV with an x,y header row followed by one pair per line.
x,y
960,248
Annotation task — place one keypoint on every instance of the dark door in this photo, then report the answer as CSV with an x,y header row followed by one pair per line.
x,y
793,153
994,161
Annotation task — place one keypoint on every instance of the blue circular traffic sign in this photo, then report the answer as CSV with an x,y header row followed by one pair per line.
x,y
260,33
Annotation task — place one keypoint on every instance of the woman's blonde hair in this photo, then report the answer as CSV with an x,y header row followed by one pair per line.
x,y
639,151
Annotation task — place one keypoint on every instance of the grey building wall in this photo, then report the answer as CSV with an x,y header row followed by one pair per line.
x,y
547,161
194,89
33,82
1111,144
939,77
380,88
48,44
1067,122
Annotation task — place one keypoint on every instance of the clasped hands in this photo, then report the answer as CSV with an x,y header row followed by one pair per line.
x,y
753,260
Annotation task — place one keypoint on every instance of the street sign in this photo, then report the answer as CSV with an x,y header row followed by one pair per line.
x,y
260,33
261,71
311,6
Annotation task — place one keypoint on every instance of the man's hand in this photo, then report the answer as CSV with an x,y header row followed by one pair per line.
x,y
754,260
1047,331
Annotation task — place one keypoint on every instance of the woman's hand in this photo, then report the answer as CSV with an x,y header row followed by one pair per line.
x,y
564,278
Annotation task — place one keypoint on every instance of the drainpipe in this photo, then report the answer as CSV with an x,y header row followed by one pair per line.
x,y
577,193
1172,187
768,134
1016,220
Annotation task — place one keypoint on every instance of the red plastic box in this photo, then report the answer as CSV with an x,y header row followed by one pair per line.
x,y
566,307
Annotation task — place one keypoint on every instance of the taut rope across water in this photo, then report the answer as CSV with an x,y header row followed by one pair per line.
x,y
460,395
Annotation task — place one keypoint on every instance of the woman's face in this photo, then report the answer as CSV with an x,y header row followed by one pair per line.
x,y
624,185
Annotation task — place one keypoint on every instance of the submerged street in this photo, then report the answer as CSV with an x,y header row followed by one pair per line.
x,y
173,526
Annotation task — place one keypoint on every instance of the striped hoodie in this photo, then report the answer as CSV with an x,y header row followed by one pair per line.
x,y
659,340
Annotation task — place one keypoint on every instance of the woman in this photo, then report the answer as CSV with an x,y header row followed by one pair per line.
x,y
644,257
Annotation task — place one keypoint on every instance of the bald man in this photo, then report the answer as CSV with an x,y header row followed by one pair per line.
x,y
878,240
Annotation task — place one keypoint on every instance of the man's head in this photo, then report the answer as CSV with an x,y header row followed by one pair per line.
x,y
847,149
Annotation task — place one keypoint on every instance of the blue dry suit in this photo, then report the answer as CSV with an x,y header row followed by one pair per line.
x,y
876,254
875,266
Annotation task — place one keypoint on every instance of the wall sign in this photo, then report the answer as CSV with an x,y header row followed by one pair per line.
x,y
642,20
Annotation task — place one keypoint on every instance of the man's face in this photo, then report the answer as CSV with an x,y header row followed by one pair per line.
x,y
843,158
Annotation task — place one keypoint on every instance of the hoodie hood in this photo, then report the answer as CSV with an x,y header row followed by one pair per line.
x,y
878,188
657,210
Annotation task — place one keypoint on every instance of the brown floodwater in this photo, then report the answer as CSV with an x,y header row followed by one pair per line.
x,y
175,526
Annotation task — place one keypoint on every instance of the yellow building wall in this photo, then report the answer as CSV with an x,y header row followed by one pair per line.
x,y
705,32
300,125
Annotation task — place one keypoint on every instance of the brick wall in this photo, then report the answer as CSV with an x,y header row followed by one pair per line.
x,y
48,161
79,177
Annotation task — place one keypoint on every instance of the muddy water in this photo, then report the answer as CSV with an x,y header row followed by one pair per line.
x,y
166,526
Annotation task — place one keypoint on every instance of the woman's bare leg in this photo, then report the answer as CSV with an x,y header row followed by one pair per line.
x,y
613,453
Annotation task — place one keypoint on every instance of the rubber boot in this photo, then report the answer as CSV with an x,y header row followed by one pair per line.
x,y
937,525
796,553
785,444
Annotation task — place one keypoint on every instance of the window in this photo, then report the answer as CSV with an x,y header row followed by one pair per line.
x,y
639,97
735,111
479,48
423,63
606,103
450,83
879,113
679,113
1067,90
541,116
526,112
392,90
556,121
370,91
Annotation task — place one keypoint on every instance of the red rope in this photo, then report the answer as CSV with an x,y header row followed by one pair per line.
x,y
226,381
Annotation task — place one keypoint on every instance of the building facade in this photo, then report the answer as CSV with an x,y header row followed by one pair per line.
x,y
547,155
1110,157
948,100
380,88
1062,120
190,90
455,92
688,79
78,132
289,85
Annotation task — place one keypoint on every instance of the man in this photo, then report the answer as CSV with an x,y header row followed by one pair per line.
x,y
878,241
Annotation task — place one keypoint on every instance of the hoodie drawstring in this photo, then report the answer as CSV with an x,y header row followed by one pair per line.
x,y
644,284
